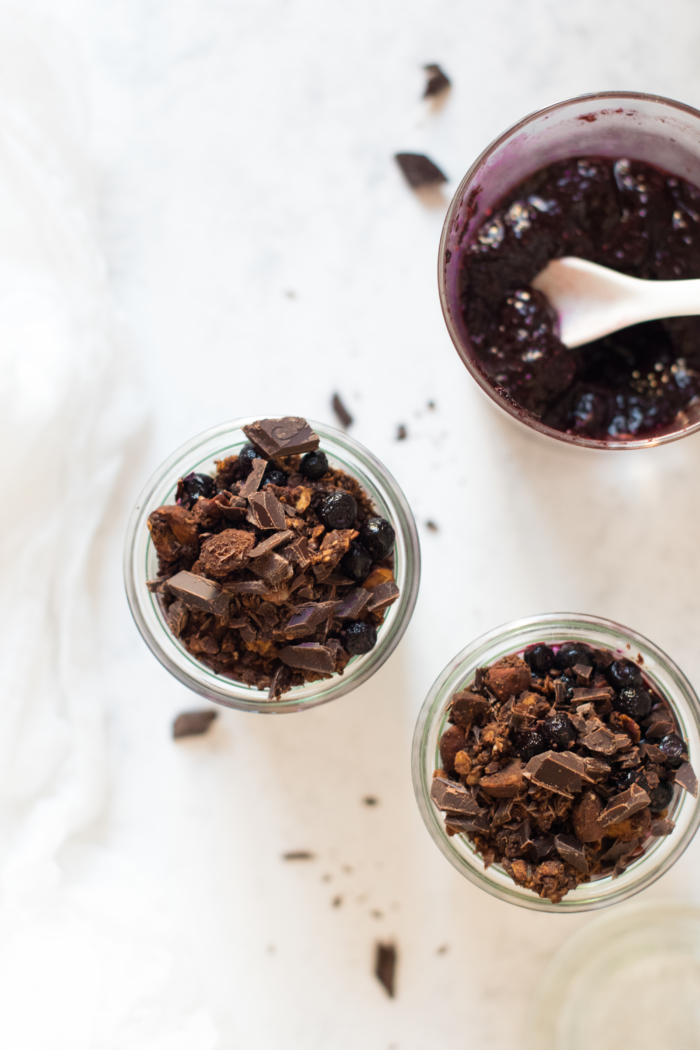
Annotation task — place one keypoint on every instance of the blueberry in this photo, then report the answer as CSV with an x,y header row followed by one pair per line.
x,y
558,731
661,796
245,459
338,510
627,777
274,476
540,658
357,562
571,653
623,673
528,742
358,637
633,701
377,537
199,485
674,749
314,465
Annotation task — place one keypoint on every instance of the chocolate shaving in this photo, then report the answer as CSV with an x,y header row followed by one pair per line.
x,y
252,482
193,723
344,417
437,82
271,543
419,170
385,967
624,805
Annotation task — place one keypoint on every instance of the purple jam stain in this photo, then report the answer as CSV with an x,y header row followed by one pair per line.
x,y
623,214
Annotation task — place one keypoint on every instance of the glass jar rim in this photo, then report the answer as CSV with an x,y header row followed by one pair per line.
x,y
514,637
513,410
214,443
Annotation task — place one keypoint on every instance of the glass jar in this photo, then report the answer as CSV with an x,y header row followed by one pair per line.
x,y
553,629
141,564
647,128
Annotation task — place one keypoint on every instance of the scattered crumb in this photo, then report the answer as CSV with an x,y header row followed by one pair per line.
x,y
431,405
193,723
299,854
419,170
431,526
291,295
347,869
326,878
344,417
271,949
401,432
336,902
377,914
443,949
370,800
385,966
437,81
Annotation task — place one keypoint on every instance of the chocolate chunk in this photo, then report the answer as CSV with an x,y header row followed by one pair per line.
x,y
622,806
508,677
419,170
177,617
592,696
157,586
659,729
280,682
273,568
454,797
352,604
385,966
467,825
226,552
586,817
287,436
382,596
193,723
653,752
468,707
344,417
562,773
252,482
246,587
620,849
271,543
661,827
266,511
198,593
571,852
604,742
685,777
506,783
437,81
297,552
309,656
307,619
236,510
583,672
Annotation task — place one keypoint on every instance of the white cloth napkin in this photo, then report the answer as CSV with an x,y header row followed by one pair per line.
x,y
88,957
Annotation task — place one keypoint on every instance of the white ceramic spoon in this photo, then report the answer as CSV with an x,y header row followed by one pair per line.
x,y
593,301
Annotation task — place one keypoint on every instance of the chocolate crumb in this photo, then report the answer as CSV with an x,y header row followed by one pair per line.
x,y
437,81
385,966
299,854
193,723
344,417
336,902
401,432
431,526
419,170
370,800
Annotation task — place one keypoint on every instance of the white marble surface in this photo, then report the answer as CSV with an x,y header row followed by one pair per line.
x,y
264,251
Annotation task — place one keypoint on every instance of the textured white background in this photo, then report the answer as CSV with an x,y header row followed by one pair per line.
x,y
263,251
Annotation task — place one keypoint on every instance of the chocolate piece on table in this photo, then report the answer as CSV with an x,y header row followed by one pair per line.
x,y
177,617
561,772
298,552
382,596
437,81
226,551
236,510
624,805
198,593
281,437
252,482
604,742
419,170
273,568
506,783
685,778
350,607
247,587
385,967
309,656
193,723
468,707
271,543
571,852
454,797
344,417
661,827
266,511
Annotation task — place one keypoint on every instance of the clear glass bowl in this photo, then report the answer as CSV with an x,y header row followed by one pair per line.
x,y
141,564
555,628
648,128
627,979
